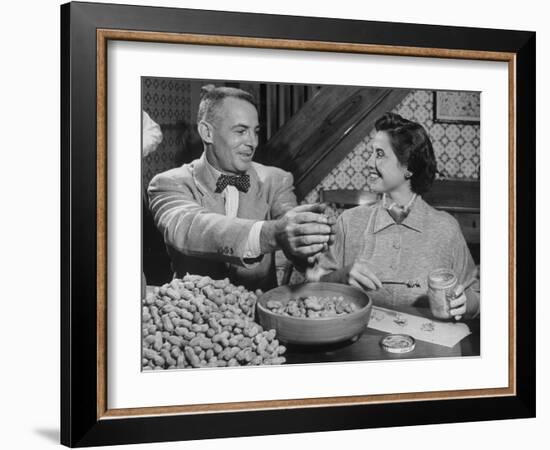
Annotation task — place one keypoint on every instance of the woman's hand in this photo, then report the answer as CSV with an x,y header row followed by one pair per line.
x,y
457,302
362,276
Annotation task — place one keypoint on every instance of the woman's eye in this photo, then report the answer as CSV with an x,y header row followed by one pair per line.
x,y
379,153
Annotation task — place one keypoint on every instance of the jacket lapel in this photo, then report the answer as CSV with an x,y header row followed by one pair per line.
x,y
252,204
206,184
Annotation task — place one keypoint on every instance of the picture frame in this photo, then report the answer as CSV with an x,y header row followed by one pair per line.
x,y
86,419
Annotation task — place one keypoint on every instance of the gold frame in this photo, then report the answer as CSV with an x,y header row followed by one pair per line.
x,y
103,36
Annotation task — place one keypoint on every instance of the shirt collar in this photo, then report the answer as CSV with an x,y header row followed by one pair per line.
x,y
215,172
204,174
415,219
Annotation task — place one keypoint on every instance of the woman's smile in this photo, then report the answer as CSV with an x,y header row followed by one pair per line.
x,y
372,175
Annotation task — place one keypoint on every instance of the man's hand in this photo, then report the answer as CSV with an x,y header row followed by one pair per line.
x,y
301,233
305,231
362,276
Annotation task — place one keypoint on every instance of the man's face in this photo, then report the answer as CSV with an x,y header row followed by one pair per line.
x,y
234,136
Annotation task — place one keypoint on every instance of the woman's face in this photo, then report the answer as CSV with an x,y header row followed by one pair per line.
x,y
384,171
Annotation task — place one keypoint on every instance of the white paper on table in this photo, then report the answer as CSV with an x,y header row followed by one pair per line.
x,y
422,328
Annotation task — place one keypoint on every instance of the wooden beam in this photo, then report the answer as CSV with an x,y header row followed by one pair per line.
x,y
287,141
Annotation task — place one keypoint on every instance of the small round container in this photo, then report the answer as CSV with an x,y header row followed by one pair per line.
x,y
441,286
398,343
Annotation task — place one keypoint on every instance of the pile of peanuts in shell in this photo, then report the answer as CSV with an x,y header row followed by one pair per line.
x,y
199,322
313,307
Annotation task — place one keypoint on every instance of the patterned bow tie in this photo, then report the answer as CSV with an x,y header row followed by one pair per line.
x,y
241,182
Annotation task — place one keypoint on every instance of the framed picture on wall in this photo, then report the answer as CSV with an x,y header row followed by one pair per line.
x,y
457,107
134,76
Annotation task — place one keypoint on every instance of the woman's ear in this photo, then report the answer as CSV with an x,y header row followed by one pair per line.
x,y
408,175
205,131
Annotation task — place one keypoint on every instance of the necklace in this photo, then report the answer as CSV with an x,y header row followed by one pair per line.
x,y
398,213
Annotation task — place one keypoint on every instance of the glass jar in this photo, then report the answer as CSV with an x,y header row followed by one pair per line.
x,y
441,289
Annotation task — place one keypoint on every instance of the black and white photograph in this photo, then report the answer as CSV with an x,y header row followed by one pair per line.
x,y
301,224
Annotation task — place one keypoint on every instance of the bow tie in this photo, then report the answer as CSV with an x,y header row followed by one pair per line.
x,y
241,182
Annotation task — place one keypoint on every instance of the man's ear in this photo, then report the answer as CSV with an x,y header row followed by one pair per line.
x,y
205,131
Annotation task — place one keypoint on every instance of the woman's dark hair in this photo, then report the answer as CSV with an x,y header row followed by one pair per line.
x,y
412,147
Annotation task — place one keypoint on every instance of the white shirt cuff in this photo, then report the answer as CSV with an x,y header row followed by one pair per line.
x,y
252,246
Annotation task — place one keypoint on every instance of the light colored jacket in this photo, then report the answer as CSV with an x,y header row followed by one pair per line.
x,y
199,238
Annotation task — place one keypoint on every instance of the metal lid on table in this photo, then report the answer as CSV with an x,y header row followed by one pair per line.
x,y
398,343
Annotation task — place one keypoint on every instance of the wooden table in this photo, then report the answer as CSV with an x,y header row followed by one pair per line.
x,y
367,347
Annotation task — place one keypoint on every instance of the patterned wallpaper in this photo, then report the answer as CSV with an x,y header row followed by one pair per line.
x,y
172,103
167,100
456,148
163,157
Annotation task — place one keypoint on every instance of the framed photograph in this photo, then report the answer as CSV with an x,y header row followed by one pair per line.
x,y
456,107
183,318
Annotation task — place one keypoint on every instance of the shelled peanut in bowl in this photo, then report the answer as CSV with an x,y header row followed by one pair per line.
x,y
313,306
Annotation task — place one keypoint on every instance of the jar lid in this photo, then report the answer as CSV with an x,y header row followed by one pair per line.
x,y
441,278
398,343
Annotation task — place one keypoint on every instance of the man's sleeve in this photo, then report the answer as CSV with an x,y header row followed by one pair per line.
x,y
190,228
283,196
466,272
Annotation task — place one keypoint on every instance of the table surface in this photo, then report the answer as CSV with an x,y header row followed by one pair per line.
x,y
367,346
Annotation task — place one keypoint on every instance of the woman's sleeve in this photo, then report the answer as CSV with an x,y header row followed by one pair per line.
x,y
466,271
330,264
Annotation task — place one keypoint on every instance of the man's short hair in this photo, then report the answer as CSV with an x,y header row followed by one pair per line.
x,y
212,97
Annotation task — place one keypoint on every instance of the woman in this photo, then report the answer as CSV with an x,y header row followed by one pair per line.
x,y
401,237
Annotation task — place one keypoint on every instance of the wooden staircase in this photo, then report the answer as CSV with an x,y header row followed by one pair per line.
x,y
329,126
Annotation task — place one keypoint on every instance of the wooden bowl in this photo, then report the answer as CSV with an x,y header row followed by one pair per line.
x,y
315,331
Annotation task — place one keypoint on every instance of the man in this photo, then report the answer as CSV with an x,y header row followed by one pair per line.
x,y
224,215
